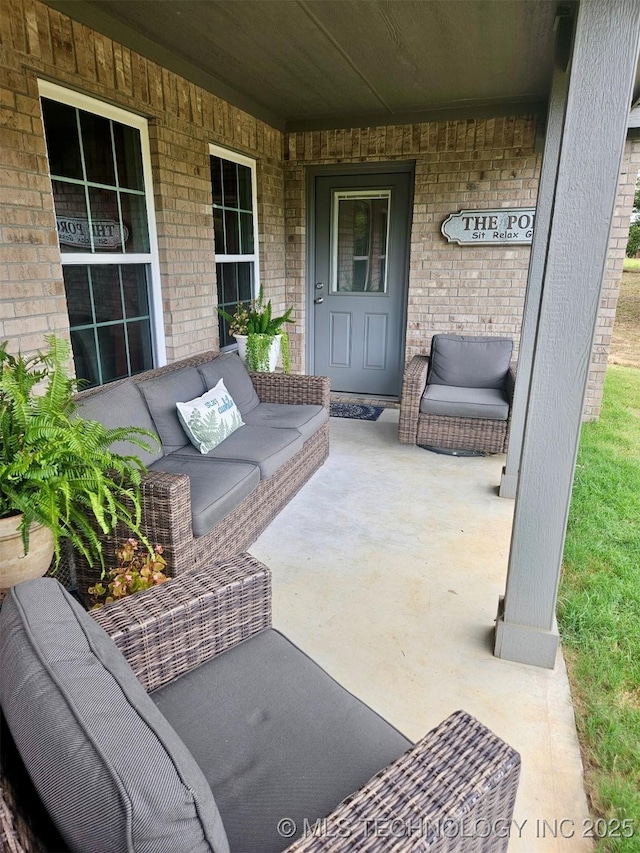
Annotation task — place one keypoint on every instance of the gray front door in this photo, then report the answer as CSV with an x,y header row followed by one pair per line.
x,y
360,280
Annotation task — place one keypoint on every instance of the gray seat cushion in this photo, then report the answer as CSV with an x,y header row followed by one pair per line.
x,y
110,770
454,402
276,738
162,394
263,446
237,381
118,406
469,362
306,419
217,487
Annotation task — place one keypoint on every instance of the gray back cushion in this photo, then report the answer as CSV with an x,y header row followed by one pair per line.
x,y
470,362
109,768
162,394
121,406
237,381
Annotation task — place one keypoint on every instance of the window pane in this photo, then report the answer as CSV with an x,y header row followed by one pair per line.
x,y
105,283
216,180
113,352
62,139
85,357
134,217
76,285
218,230
128,156
140,352
135,289
245,282
246,224
98,150
232,231
245,201
230,183
229,290
105,220
359,245
71,217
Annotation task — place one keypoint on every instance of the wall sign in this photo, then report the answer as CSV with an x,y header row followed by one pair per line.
x,y
106,232
502,225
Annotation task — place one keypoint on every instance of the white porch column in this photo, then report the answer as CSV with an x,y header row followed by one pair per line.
x,y
605,56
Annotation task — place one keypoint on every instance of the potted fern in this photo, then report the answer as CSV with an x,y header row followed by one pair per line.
x,y
58,476
260,336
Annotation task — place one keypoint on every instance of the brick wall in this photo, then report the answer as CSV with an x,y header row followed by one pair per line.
x,y
183,120
471,164
458,164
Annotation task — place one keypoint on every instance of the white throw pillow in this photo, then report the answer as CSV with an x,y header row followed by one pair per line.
x,y
209,419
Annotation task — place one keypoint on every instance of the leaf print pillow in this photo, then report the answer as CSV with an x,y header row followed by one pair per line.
x,y
209,419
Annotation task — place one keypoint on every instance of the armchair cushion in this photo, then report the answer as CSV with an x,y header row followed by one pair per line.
x,y
71,701
276,737
162,393
455,402
229,367
469,362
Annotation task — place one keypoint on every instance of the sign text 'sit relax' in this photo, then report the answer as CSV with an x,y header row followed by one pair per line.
x,y
501,225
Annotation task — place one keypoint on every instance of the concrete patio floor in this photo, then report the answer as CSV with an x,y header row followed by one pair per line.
x,y
387,568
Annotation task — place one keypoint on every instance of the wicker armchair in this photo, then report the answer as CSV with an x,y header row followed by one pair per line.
x,y
445,394
429,798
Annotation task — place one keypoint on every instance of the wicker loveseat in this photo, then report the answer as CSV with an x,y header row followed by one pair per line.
x,y
205,507
192,726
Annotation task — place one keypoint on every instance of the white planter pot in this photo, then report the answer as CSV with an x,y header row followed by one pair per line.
x,y
15,566
274,349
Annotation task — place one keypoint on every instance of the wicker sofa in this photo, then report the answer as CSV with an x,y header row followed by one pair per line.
x,y
205,507
265,749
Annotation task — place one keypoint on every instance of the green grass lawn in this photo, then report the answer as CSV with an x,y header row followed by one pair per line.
x,y
632,264
599,605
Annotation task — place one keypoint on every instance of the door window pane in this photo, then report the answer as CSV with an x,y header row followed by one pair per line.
x,y
359,243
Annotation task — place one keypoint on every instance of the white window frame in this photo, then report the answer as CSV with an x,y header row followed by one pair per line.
x,y
220,258
58,93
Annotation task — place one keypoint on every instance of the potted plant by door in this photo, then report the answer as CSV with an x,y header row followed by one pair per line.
x,y
260,336
58,476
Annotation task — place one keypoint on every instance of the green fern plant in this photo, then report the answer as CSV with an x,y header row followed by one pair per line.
x,y
57,468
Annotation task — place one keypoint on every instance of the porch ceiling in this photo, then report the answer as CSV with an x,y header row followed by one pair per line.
x,y
302,64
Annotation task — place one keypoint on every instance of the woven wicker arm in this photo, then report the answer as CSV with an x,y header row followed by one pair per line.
x,y
291,388
169,629
460,780
413,385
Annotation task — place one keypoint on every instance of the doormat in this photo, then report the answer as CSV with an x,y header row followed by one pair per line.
x,y
355,411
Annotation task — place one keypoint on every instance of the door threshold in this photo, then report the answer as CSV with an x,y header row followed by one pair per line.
x,y
387,401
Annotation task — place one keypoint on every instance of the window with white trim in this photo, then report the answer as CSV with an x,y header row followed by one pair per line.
x,y
233,187
100,173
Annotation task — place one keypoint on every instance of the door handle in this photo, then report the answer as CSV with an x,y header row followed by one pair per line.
x,y
318,301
